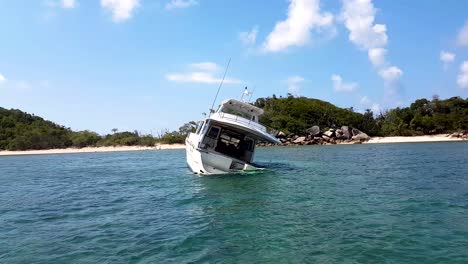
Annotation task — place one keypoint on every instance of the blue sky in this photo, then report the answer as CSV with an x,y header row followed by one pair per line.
x,y
155,64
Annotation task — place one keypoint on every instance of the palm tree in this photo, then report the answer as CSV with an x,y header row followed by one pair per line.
x,y
114,130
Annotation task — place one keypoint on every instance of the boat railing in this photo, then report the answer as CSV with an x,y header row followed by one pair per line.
x,y
242,120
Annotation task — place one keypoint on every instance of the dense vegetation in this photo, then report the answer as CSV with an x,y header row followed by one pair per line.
x,y
21,131
295,115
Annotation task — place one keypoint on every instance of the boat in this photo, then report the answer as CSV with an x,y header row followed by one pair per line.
x,y
225,141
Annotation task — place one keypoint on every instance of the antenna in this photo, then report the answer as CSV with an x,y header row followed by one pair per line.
x,y
251,94
244,93
219,87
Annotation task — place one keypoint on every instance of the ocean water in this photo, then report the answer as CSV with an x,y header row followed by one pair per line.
x,y
395,203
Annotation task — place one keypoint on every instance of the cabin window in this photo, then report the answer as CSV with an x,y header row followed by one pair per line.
x,y
235,145
199,127
214,131
238,113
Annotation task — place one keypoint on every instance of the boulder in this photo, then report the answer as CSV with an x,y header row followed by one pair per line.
x,y
281,134
330,133
283,140
361,137
356,132
313,131
339,133
295,137
299,140
326,138
346,132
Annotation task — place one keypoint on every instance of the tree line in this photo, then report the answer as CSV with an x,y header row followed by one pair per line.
x,y
23,131
295,114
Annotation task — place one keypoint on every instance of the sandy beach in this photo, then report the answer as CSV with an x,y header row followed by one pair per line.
x,y
92,149
413,139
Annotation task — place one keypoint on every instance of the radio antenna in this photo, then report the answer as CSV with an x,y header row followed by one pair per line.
x,y
219,87
251,94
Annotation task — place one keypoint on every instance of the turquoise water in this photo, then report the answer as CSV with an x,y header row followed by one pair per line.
x,y
396,203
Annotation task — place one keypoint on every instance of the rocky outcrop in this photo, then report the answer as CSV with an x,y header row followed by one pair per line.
x,y
347,134
460,134
299,140
358,135
281,134
313,131
315,136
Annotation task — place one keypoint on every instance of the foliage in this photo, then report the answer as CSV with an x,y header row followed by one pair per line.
x,y
294,115
84,138
21,131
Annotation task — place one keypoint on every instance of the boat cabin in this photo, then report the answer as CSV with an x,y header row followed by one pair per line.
x,y
229,130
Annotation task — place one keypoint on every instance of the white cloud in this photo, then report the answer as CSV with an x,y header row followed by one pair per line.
x,y
365,100
205,66
121,9
359,16
202,72
174,4
294,84
303,16
367,103
341,86
447,56
375,108
462,79
377,56
68,4
463,35
391,74
2,79
249,37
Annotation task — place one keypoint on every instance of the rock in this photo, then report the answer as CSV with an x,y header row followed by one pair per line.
x,y
299,140
361,137
326,138
283,140
313,131
330,133
295,137
346,132
356,132
339,133
281,134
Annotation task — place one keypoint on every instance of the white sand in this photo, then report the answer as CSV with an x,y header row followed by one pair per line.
x,y
92,149
427,138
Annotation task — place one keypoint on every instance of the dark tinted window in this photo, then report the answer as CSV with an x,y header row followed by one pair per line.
x,y
214,131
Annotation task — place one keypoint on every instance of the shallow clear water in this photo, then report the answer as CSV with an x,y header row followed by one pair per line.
x,y
395,203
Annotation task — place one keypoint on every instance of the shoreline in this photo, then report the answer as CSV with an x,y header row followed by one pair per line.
x,y
373,140
91,150
413,139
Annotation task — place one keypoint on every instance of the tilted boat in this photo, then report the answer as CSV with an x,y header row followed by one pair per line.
x,y
225,141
